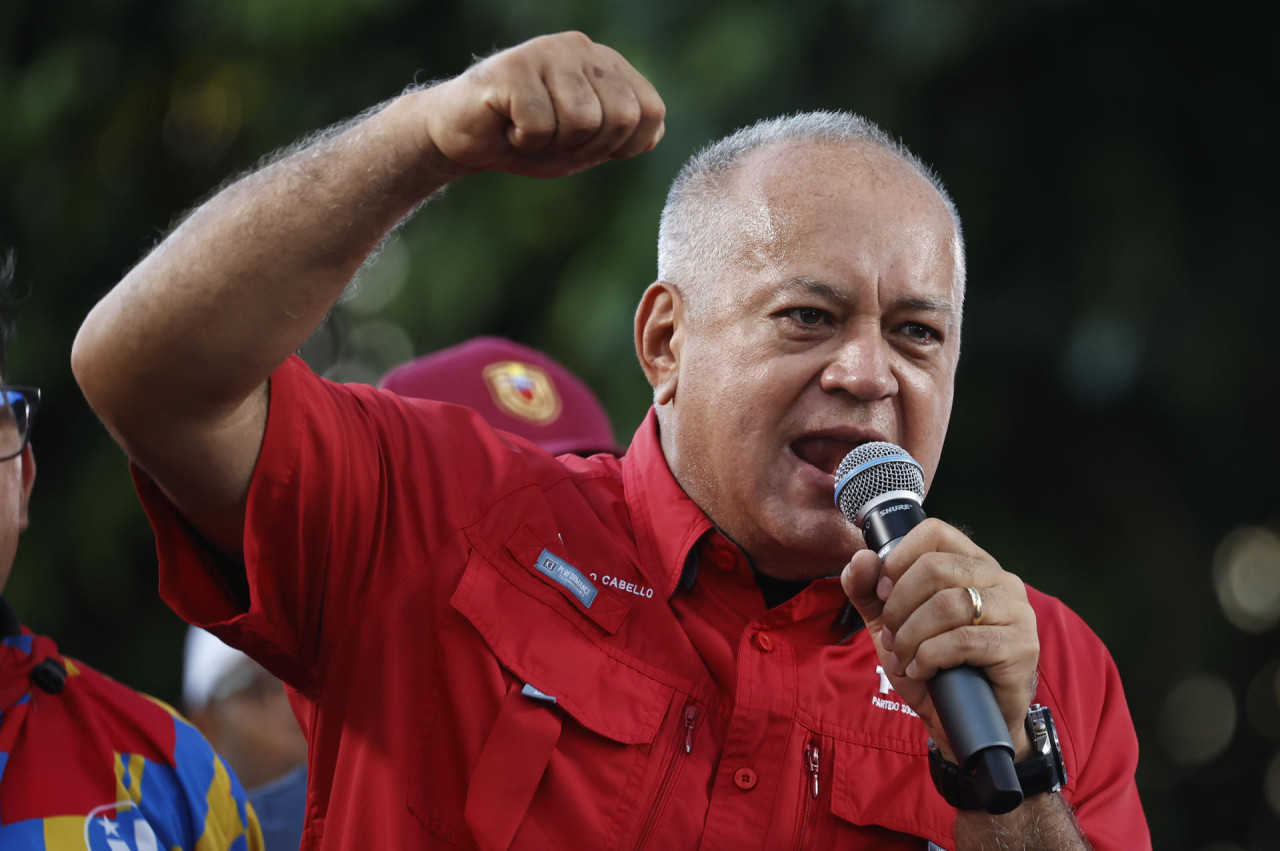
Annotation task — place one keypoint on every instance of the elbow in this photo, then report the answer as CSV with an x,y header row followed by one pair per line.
x,y
90,363
82,358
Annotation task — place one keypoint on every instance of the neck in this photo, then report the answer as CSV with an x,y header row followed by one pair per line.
x,y
792,566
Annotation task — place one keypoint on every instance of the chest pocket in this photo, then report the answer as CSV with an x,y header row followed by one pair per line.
x,y
883,782
546,718
876,785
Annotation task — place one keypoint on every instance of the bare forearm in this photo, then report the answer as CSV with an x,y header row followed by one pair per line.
x,y
175,359
1042,822
204,319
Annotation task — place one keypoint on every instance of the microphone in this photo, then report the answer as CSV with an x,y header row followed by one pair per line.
x,y
880,489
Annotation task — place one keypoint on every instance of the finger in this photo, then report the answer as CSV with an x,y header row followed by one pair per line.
x,y
859,580
536,88
579,112
922,543
620,113
648,133
932,574
532,114
648,128
952,609
1001,652
933,535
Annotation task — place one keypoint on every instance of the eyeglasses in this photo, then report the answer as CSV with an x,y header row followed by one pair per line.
x,y
16,416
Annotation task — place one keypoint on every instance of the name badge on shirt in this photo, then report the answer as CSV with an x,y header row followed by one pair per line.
x,y
568,577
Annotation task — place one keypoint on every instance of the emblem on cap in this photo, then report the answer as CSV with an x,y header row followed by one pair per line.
x,y
523,390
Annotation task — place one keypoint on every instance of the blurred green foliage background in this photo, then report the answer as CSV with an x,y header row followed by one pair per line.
x,y
1114,437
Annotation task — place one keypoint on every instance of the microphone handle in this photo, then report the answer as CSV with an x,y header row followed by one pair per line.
x,y
975,727
962,695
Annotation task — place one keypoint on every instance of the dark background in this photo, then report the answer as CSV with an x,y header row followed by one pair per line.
x,y
1113,440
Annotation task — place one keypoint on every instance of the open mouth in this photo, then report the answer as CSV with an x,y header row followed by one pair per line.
x,y
825,453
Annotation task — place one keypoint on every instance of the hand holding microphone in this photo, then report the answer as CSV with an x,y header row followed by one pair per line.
x,y
954,631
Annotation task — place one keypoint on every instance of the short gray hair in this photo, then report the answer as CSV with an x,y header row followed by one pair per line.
x,y
695,219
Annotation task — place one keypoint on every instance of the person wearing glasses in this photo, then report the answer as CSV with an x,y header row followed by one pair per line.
x,y
85,762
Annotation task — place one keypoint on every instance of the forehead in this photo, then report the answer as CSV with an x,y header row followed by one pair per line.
x,y
822,171
855,206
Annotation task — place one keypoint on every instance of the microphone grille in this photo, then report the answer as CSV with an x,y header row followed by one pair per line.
x,y
874,469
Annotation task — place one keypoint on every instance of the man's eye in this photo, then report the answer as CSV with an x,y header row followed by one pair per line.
x,y
807,315
923,333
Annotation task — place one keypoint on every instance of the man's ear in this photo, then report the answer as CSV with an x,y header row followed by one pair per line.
x,y
28,460
660,330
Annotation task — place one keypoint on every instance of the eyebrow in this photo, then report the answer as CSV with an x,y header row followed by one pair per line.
x,y
929,304
818,288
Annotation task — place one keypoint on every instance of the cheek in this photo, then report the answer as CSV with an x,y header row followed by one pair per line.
x,y
926,404
11,518
739,395
722,390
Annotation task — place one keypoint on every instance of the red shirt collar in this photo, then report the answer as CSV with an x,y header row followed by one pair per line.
x,y
668,522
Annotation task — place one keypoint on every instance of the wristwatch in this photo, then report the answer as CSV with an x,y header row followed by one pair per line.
x,y
1044,771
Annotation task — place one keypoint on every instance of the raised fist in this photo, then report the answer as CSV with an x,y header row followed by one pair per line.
x,y
550,107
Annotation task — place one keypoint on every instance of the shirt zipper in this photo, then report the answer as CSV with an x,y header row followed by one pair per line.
x,y
674,763
809,793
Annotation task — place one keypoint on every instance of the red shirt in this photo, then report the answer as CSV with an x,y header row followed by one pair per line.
x,y
493,647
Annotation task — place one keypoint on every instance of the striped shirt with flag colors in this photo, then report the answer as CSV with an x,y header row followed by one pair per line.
x,y
86,763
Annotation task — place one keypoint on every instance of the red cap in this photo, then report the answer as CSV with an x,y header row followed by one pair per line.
x,y
515,388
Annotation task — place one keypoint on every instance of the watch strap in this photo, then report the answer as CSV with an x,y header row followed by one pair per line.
x,y
1044,771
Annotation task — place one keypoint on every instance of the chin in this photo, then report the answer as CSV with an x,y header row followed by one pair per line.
x,y
838,534
826,544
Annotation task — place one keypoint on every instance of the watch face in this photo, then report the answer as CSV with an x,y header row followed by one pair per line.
x,y
1057,753
1045,739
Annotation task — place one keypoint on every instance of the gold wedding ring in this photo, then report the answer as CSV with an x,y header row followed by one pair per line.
x,y
976,599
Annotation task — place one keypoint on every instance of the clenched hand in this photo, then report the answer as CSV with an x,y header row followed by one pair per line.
x,y
550,107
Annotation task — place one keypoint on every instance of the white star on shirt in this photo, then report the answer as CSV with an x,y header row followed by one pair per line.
x,y
109,826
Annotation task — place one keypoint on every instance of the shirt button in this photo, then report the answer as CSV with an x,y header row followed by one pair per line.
x,y
744,779
724,560
764,642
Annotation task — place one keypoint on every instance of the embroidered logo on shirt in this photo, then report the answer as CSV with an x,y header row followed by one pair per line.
x,y
885,685
523,390
568,577
624,585
889,704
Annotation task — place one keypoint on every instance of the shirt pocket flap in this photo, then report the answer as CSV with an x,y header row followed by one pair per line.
x,y
591,680
604,610
889,786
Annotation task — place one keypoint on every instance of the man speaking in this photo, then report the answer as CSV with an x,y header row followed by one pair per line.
x,y
494,648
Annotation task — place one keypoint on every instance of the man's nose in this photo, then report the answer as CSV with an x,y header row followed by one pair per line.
x,y
861,367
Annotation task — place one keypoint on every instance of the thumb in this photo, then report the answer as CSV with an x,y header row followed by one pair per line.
x,y
859,580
